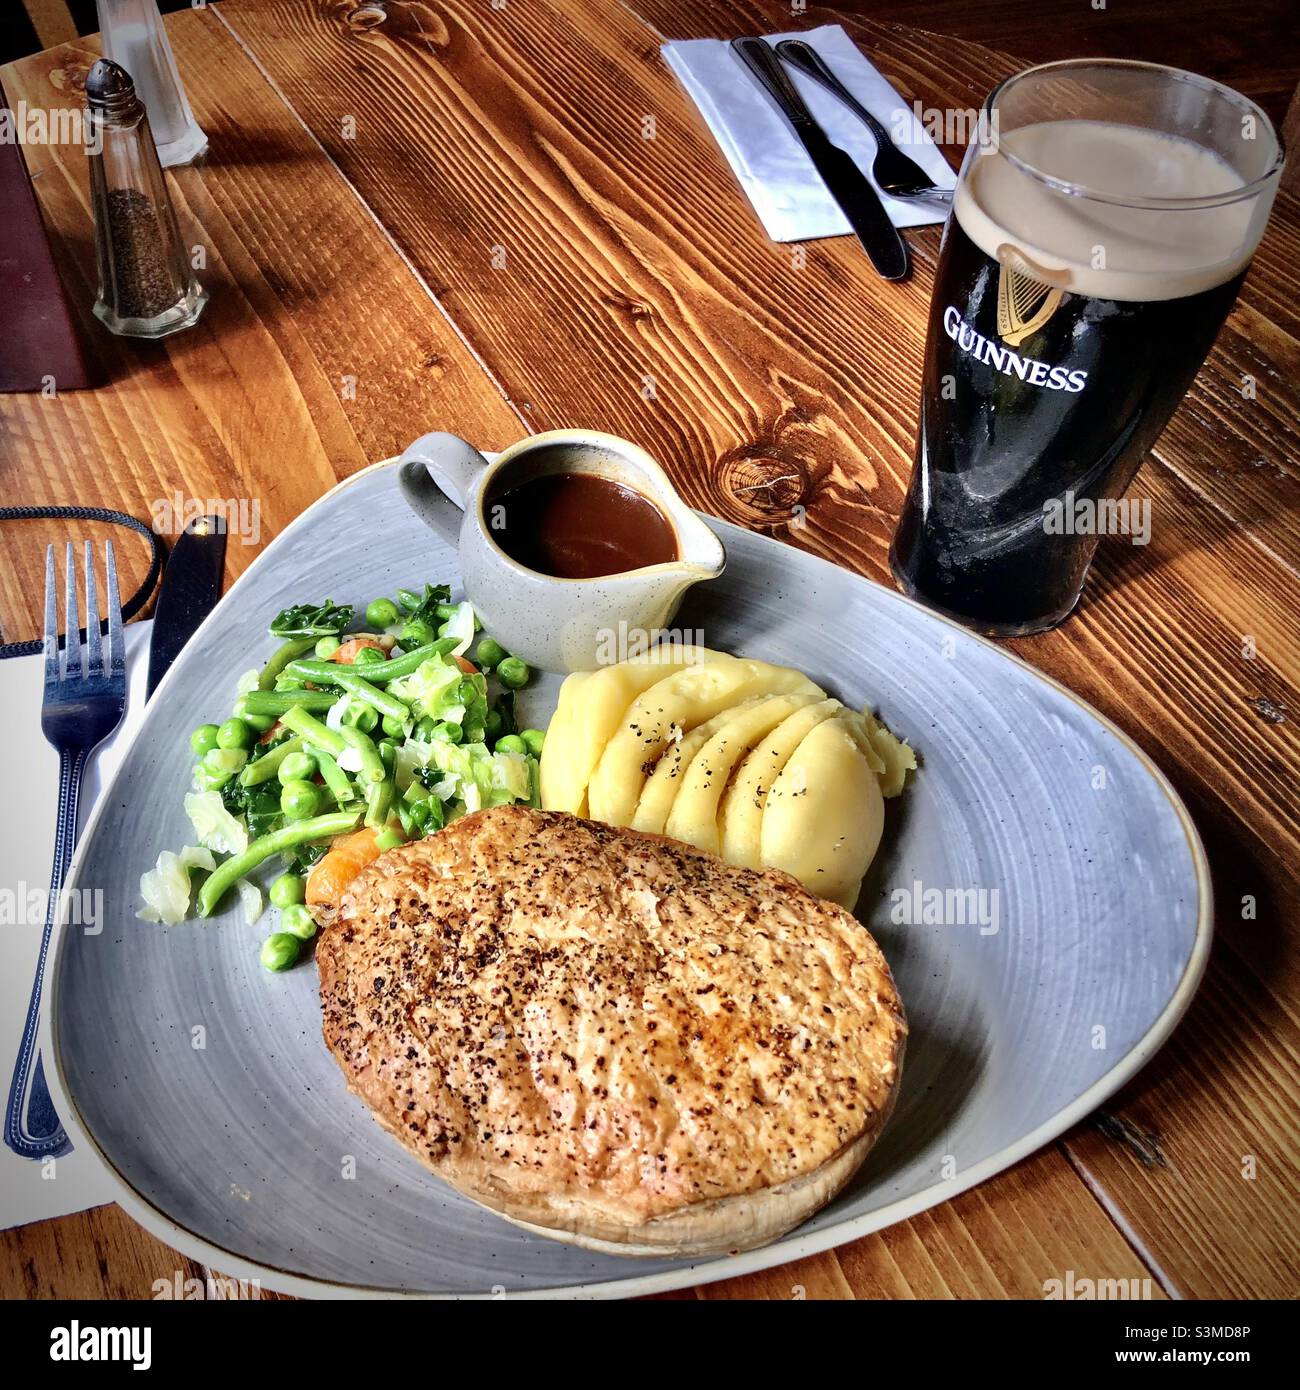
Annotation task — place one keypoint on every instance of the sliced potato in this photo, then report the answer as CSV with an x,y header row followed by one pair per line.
x,y
683,700
662,785
741,813
694,814
590,707
896,756
829,850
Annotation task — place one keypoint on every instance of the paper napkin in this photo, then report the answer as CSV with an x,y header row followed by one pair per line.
x,y
31,1190
778,177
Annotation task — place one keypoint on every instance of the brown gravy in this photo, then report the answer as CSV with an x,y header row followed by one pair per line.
x,y
580,526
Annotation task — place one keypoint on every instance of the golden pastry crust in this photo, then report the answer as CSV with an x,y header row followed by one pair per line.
x,y
611,1037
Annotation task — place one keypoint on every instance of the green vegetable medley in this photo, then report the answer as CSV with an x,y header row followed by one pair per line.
x,y
343,728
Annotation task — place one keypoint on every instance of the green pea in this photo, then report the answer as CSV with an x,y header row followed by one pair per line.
x,y
300,800
533,740
421,813
370,656
394,728
235,733
258,722
494,723
445,732
296,767
417,633
513,673
423,731
287,890
326,648
383,612
204,738
467,691
297,921
361,716
511,743
225,760
280,951
209,780
490,654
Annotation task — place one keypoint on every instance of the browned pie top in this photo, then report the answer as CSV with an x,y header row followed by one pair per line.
x,y
546,1007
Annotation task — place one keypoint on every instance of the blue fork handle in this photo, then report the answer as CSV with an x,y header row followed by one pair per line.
x,y
32,1128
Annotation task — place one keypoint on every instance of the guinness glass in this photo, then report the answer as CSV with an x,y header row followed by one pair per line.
x,y
1101,228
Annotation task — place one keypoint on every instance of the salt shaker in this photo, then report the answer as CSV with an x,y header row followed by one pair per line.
x,y
133,35
147,288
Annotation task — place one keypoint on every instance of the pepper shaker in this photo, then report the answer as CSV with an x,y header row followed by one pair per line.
x,y
147,288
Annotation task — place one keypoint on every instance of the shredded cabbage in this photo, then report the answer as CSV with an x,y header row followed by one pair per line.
x,y
460,626
248,681
430,688
166,890
196,857
216,828
250,899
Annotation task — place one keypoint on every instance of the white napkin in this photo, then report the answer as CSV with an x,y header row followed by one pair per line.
x,y
778,177
31,1190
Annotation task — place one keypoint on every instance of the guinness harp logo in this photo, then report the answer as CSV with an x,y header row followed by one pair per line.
x,y
1024,305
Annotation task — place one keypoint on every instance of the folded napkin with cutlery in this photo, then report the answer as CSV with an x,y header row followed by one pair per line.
x,y
779,179
30,1190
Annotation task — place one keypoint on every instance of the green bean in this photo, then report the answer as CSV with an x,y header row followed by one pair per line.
x,y
398,666
268,765
287,651
331,673
389,838
277,702
276,842
379,799
301,722
372,765
333,775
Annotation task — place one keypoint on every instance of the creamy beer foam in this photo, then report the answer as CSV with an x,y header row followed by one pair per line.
x,y
1100,249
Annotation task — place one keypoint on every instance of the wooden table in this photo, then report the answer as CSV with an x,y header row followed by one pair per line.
x,y
454,216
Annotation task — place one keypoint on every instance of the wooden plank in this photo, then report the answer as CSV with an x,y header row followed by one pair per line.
x,y
1250,48
318,352
993,1242
92,1254
306,291
523,129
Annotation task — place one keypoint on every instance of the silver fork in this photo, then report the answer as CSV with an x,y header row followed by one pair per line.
x,y
85,696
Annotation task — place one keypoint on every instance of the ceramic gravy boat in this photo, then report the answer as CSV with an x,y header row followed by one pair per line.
x,y
554,623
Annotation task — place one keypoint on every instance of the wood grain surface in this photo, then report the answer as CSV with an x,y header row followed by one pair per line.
x,y
446,215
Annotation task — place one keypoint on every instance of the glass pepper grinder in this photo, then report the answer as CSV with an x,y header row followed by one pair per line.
x,y
147,287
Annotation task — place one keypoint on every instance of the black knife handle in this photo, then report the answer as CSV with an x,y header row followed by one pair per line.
x,y
758,56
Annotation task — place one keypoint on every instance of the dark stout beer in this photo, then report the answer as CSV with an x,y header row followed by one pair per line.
x,y
1061,339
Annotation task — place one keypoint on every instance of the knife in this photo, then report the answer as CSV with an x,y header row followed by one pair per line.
x,y
845,182
191,586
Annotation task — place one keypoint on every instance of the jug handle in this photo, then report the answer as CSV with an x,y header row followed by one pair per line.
x,y
438,474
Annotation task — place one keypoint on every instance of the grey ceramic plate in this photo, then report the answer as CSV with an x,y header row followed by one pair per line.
x,y
248,1153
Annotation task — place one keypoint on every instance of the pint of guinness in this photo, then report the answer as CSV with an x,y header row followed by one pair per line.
x,y
1100,231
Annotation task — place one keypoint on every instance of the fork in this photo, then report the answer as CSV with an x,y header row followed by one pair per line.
x,y
85,696
894,173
